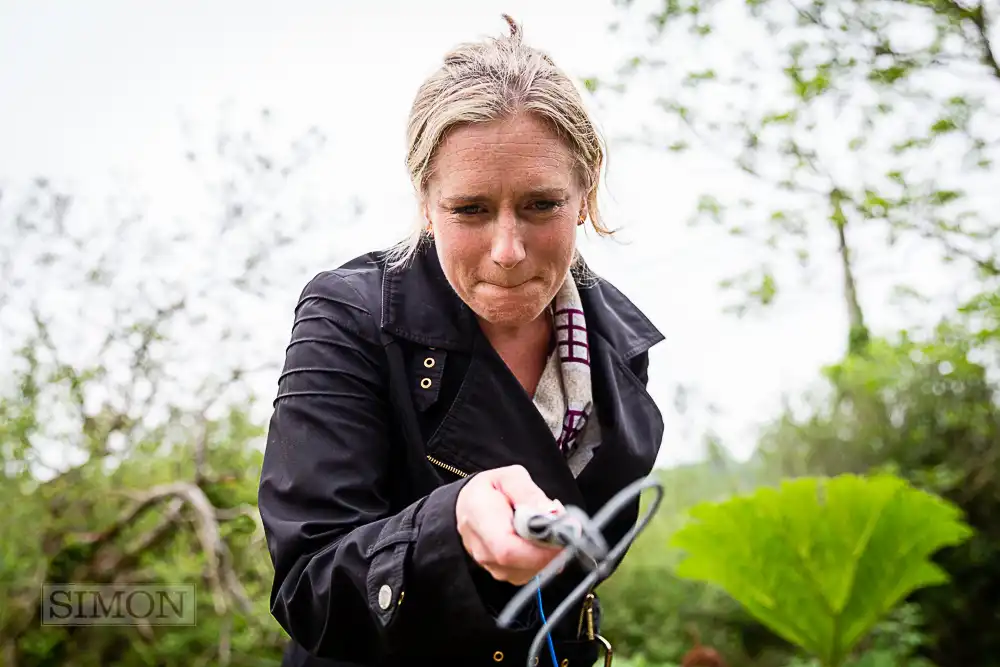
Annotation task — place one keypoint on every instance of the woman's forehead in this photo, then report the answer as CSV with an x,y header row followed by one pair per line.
x,y
504,129
490,162
544,180
524,136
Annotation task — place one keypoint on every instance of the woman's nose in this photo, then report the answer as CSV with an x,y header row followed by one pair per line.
x,y
508,247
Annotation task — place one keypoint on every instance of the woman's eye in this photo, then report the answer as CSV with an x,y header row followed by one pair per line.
x,y
545,205
540,206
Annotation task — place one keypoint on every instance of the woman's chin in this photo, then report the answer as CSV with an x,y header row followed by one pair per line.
x,y
509,306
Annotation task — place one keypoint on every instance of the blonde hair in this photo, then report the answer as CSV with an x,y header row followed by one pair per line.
x,y
492,80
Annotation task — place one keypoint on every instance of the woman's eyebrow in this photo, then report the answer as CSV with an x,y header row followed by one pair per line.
x,y
554,192
456,200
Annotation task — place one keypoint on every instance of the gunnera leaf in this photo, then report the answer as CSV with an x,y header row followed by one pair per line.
x,y
821,560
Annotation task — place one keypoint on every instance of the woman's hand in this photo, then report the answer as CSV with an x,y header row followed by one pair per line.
x,y
485,512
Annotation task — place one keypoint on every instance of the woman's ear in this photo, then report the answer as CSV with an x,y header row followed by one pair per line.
x,y
425,219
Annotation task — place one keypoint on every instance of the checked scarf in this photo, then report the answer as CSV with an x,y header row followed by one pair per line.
x,y
564,396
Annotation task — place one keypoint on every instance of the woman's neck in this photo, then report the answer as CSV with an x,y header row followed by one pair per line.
x,y
534,333
525,348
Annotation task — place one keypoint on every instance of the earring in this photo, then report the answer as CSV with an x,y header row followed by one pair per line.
x,y
583,218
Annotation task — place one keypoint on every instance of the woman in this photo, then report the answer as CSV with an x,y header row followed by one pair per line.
x,y
475,367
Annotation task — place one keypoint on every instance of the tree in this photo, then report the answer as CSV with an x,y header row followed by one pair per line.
x,y
863,132
127,440
849,119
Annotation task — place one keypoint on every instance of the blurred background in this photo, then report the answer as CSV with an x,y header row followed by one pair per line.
x,y
808,201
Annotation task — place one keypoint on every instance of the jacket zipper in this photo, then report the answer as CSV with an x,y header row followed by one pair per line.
x,y
449,468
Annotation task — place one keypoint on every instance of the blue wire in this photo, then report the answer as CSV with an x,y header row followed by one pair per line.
x,y
552,648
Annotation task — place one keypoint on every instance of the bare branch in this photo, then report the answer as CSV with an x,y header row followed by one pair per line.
x,y
220,573
207,530
977,16
232,582
154,538
9,650
145,630
149,331
811,18
130,516
988,265
225,642
979,19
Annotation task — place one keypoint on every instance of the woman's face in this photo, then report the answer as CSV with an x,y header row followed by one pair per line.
x,y
503,203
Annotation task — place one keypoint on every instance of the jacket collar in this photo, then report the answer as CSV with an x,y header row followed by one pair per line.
x,y
419,305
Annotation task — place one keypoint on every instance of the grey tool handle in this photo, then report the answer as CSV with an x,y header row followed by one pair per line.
x,y
536,525
561,528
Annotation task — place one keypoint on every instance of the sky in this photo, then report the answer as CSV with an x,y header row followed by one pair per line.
x,y
96,95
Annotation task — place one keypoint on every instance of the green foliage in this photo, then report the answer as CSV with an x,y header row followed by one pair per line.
x,y
922,404
128,462
821,561
68,512
923,409
897,640
640,661
649,612
893,643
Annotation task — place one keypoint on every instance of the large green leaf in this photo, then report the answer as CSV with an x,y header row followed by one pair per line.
x,y
821,560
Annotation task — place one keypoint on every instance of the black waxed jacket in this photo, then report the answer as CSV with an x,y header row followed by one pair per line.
x,y
390,399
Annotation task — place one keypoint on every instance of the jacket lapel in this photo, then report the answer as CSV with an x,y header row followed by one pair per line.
x,y
493,422
479,432
419,305
631,427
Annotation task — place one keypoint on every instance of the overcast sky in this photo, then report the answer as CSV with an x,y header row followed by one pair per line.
x,y
93,93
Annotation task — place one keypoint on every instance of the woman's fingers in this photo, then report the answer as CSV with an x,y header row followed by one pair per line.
x,y
516,484
485,521
507,560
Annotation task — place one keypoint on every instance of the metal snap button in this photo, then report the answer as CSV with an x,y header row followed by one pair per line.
x,y
565,661
425,383
498,656
384,596
429,362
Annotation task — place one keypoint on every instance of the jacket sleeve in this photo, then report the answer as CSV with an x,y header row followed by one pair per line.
x,y
342,559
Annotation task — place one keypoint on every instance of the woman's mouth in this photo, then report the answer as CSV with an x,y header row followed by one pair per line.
x,y
509,285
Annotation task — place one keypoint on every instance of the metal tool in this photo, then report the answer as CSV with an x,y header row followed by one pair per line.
x,y
578,534
570,527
